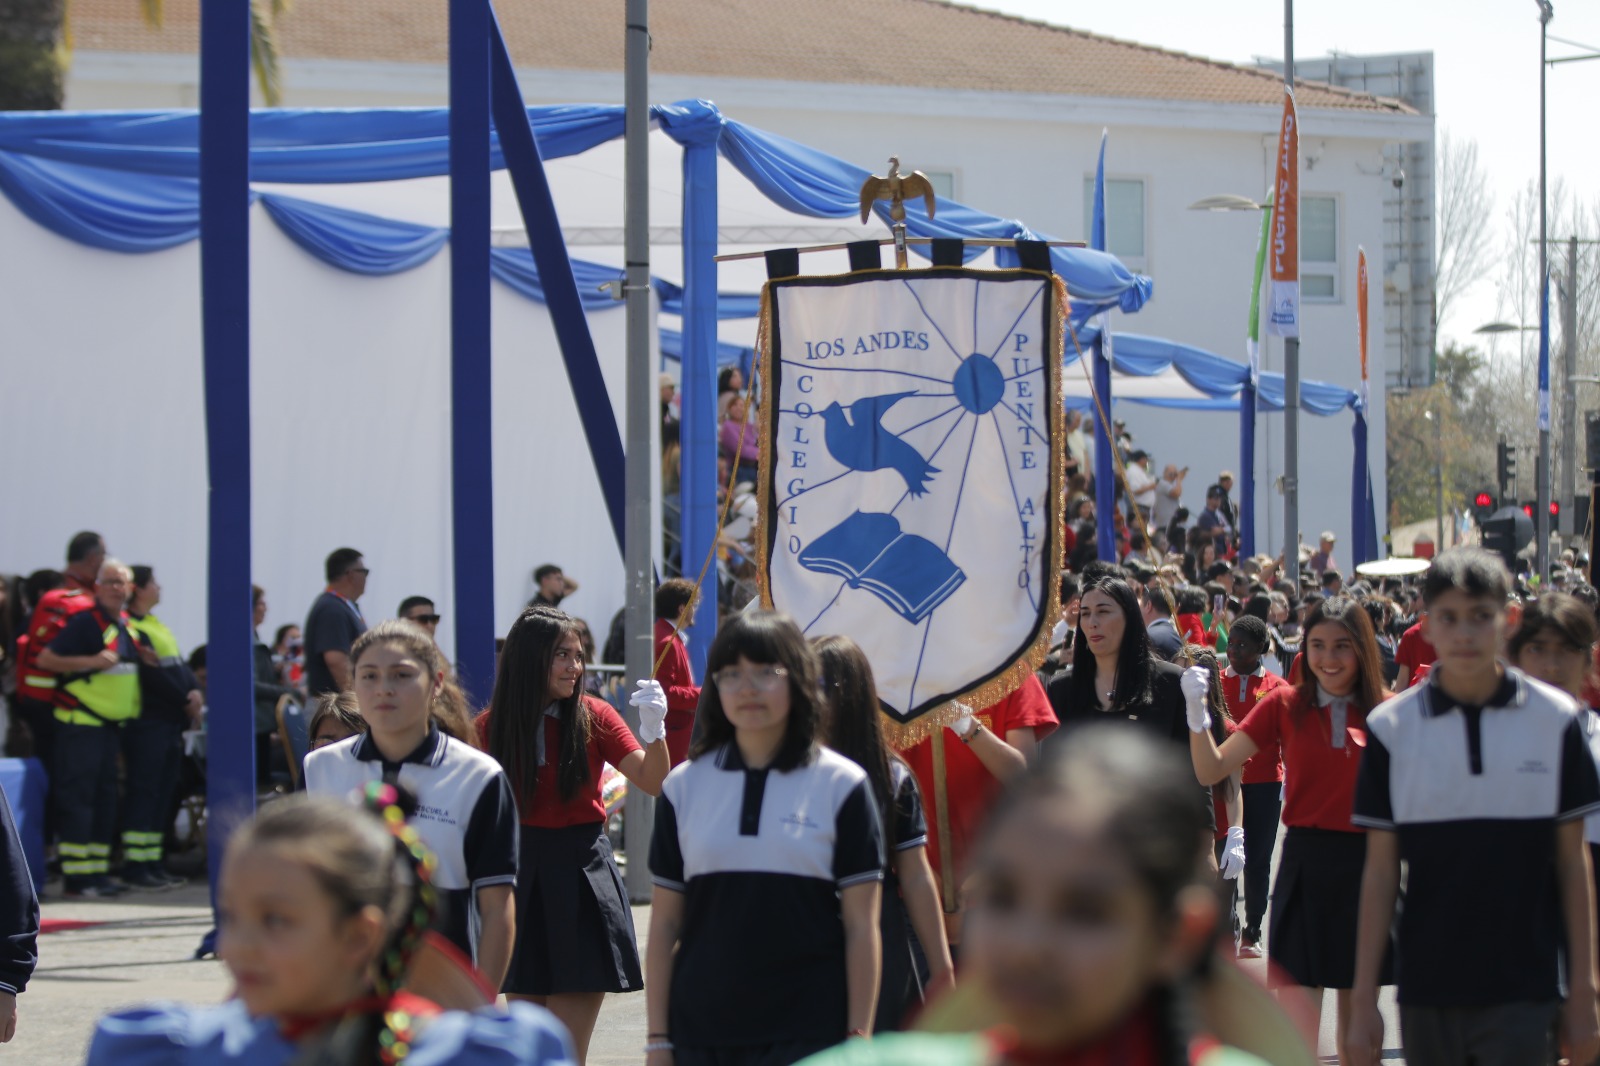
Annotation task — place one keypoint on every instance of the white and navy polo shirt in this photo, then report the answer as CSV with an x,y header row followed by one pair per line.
x,y
1474,795
466,814
760,857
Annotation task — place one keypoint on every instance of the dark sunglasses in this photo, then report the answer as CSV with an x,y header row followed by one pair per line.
x,y
425,619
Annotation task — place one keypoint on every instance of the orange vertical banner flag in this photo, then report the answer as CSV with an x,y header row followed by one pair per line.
x,y
1361,313
1283,317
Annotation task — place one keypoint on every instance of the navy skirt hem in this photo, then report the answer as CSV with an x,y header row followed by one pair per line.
x,y
574,924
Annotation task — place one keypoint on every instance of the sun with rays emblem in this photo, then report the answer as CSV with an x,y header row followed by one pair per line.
x,y
912,474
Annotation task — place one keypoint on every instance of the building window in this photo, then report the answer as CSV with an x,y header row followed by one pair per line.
x,y
1319,248
943,182
1124,216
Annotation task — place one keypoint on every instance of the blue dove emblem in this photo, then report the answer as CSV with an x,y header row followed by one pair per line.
x,y
856,438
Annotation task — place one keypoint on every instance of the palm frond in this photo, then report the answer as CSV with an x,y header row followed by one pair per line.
x,y
264,51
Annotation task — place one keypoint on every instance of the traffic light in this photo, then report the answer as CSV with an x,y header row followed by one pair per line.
x,y
1555,509
1505,466
1527,509
1483,505
1500,537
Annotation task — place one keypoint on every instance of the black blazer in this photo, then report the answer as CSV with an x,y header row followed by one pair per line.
x,y
1164,713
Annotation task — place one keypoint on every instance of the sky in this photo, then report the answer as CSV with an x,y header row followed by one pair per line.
x,y
1486,73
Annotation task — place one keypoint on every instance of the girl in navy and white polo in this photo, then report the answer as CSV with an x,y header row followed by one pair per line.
x,y
767,846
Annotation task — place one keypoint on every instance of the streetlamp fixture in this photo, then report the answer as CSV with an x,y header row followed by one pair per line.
x,y
1505,327
1228,202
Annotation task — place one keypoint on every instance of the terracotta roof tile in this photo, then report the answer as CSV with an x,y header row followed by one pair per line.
x,y
933,44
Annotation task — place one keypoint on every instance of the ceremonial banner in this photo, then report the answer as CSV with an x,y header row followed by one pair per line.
x,y
911,475
1283,314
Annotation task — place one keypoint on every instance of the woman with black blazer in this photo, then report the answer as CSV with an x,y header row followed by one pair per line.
x,y
1115,678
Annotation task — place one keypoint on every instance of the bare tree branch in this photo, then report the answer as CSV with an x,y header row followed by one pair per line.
x,y
1466,239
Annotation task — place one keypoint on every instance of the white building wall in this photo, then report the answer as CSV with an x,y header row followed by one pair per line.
x,y
1026,157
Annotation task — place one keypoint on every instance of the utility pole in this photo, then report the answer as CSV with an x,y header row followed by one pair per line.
x,y
1541,518
1569,391
641,400
1291,375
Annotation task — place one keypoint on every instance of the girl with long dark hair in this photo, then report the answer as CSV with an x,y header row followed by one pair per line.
x,y
767,847
1321,725
575,937
854,729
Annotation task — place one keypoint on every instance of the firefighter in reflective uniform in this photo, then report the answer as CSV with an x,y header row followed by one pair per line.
x,y
152,744
35,700
96,658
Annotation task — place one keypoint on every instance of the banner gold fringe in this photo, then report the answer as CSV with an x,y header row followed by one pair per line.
x,y
903,735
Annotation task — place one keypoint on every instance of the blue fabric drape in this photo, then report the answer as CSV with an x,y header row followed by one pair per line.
x,y
102,208
353,241
1247,468
729,304
1220,379
814,183
727,354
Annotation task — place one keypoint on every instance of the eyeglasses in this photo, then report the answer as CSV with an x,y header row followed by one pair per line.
x,y
765,678
363,571
424,619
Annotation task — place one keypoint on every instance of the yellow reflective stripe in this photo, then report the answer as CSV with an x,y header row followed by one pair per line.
x,y
109,636
79,869
133,838
103,850
73,851
141,854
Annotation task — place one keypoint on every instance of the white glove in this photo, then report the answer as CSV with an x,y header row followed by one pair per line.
x,y
1196,685
1233,854
964,723
1059,633
651,699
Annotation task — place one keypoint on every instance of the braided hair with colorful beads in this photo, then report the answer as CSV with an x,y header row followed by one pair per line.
x,y
374,860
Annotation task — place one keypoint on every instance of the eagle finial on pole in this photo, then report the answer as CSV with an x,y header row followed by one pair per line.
x,y
896,187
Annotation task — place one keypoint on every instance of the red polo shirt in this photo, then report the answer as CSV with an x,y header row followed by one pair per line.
x,y
971,788
1266,765
1320,782
610,741
1414,652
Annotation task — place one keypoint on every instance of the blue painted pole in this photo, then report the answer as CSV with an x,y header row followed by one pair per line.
x,y
225,336
471,435
1105,471
1247,470
699,425
521,150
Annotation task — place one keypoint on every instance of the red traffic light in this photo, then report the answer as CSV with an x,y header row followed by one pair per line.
x,y
1527,509
1483,499
1555,508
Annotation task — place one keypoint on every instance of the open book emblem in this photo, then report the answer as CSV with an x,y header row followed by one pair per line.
x,y
870,551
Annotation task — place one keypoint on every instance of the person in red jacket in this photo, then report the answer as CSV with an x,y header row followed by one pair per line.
x,y
982,750
675,598
1413,654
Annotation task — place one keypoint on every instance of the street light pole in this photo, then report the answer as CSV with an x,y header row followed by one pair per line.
x,y
1291,376
1438,477
1569,397
1542,516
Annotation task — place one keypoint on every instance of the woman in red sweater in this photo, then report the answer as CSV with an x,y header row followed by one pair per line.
x,y
1321,725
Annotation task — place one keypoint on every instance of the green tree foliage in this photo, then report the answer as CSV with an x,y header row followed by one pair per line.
x,y
1462,441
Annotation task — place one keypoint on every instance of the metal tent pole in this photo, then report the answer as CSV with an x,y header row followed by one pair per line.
x,y
641,410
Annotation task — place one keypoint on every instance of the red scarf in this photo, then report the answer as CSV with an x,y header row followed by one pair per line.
x,y
296,1027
